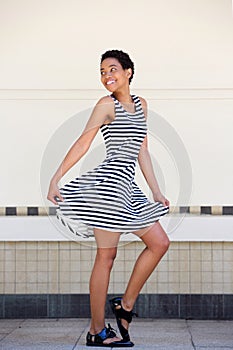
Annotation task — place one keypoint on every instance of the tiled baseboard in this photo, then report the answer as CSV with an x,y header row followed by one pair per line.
x,y
41,211
183,306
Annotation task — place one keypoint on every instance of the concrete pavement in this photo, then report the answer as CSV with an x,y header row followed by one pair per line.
x,y
159,334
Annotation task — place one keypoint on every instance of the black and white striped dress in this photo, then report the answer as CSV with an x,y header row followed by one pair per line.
x,y
107,197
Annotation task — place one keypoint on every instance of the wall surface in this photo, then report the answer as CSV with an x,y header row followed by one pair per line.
x,y
50,81
49,68
65,267
51,279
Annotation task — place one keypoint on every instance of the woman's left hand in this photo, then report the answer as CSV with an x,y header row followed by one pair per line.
x,y
159,197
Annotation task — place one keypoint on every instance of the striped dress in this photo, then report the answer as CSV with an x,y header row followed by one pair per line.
x,y
107,197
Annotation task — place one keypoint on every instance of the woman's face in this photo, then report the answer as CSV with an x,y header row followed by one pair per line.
x,y
113,76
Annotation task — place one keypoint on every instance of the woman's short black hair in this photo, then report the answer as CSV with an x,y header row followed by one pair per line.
x,y
123,59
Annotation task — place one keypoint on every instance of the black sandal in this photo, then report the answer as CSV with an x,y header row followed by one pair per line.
x,y
120,314
106,333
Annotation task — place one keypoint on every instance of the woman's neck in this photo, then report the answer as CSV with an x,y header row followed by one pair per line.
x,y
123,96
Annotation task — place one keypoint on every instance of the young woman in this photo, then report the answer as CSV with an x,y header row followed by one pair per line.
x,y
107,199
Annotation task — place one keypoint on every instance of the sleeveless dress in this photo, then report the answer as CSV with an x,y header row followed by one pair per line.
x,y
107,197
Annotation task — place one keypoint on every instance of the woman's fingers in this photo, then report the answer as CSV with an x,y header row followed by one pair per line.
x,y
160,198
59,196
52,199
165,202
54,194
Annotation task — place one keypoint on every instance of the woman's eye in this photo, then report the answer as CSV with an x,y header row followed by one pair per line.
x,y
112,70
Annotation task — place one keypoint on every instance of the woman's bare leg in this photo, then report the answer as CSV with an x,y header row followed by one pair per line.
x,y
99,281
157,243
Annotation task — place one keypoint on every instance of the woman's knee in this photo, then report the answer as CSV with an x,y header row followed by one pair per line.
x,y
164,244
161,246
157,239
106,256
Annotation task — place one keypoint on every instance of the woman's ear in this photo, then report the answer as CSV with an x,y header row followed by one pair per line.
x,y
129,72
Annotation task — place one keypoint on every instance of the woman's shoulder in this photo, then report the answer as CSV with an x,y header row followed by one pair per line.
x,y
143,102
104,100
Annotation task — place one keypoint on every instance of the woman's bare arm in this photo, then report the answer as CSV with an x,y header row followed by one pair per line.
x,y
146,166
102,113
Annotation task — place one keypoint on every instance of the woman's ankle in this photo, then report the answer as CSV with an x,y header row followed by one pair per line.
x,y
96,330
126,304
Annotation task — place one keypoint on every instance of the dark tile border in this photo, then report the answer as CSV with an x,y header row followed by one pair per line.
x,y
32,211
203,306
52,210
43,211
181,306
10,211
184,210
227,210
24,306
206,210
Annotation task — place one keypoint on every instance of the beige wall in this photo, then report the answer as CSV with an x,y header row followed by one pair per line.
x,y
49,68
65,267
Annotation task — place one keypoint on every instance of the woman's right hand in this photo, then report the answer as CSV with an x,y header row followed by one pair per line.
x,y
54,192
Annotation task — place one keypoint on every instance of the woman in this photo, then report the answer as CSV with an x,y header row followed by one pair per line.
x,y
107,199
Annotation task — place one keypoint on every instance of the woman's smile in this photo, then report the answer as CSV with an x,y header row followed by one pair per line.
x,y
110,81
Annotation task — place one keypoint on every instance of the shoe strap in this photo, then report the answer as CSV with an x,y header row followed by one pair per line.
x,y
106,333
122,313
111,332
